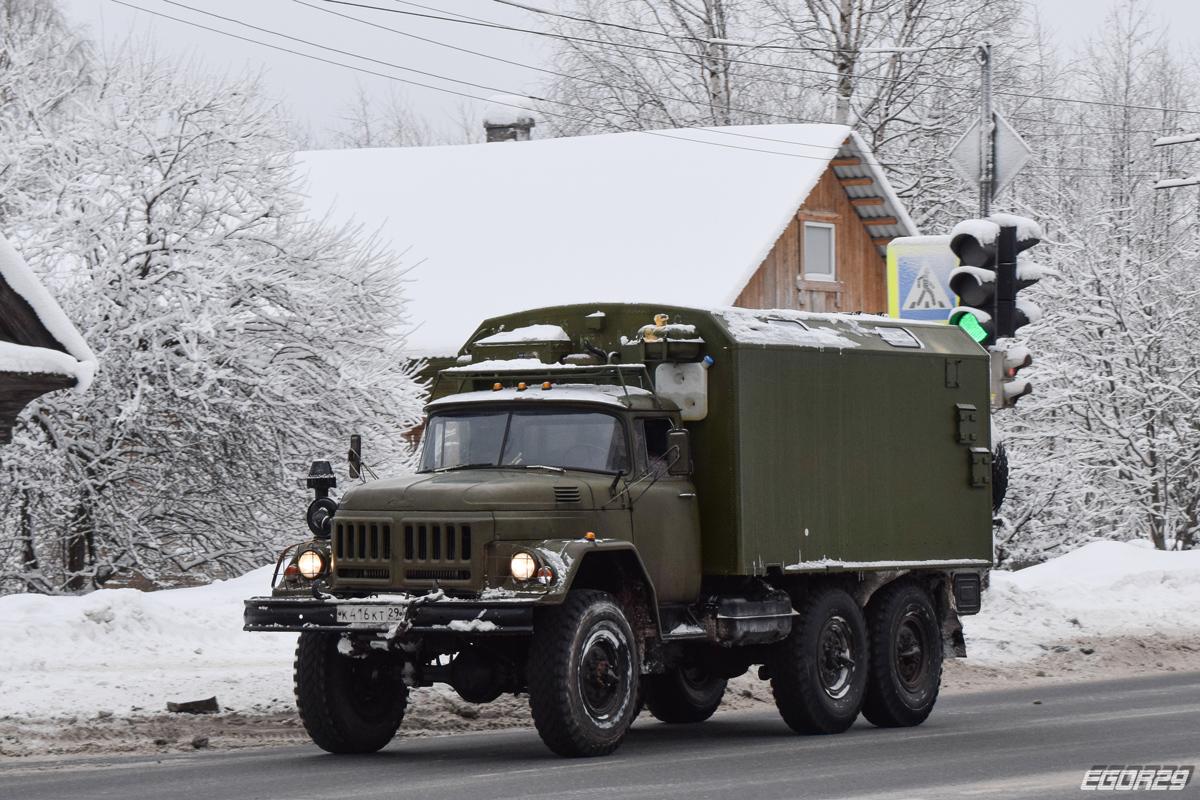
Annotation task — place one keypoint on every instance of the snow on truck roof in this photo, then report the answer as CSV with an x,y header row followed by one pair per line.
x,y
682,217
619,396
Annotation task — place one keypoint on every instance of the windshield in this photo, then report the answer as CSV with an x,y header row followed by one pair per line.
x,y
587,440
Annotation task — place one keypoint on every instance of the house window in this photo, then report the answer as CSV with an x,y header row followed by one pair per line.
x,y
818,252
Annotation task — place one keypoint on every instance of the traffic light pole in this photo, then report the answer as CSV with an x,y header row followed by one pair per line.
x,y
1006,282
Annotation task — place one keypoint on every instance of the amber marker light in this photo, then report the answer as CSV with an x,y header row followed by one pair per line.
x,y
546,385
496,387
521,387
545,575
590,536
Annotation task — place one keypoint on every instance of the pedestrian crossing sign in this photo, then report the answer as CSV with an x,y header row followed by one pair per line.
x,y
919,270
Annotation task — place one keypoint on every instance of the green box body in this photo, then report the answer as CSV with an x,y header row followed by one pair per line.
x,y
827,445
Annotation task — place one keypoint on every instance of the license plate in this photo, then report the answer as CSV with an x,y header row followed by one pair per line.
x,y
370,615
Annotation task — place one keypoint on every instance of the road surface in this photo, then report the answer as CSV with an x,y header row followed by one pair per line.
x,y
995,744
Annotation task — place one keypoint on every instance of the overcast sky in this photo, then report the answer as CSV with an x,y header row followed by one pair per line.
x,y
318,92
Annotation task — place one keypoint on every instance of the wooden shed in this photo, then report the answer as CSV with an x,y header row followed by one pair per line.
x,y
40,350
766,216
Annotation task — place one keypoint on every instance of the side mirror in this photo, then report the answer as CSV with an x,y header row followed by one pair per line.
x,y
680,441
354,457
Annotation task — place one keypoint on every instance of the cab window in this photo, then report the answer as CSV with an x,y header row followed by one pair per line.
x,y
651,434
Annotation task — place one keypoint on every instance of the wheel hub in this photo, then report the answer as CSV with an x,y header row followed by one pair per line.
x,y
911,651
835,661
605,659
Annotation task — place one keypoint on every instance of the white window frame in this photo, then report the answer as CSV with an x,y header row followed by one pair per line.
x,y
831,276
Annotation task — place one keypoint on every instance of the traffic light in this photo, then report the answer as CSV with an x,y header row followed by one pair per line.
x,y
990,275
1006,362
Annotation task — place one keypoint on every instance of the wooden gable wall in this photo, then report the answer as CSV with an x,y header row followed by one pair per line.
x,y
861,271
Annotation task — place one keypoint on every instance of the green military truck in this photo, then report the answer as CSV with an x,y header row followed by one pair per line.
x,y
625,506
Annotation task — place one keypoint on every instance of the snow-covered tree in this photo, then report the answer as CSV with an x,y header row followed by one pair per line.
x,y
1109,446
237,338
391,122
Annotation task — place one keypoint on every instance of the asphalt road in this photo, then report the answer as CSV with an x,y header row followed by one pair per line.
x,y
996,744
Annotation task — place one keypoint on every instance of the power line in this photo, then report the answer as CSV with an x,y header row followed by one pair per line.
x,y
566,37
472,21
727,42
663,134
465,20
409,69
717,130
748,112
270,32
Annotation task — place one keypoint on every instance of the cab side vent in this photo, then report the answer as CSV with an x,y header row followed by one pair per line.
x,y
566,494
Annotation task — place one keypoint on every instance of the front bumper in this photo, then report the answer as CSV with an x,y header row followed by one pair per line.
x,y
440,616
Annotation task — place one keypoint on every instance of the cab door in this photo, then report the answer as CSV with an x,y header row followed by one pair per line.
x,y
666,519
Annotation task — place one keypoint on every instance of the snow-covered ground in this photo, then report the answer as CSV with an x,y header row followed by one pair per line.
x,y
125,651
129,653
1101,590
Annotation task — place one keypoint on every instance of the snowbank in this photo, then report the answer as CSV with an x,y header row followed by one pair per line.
x,y
1102,589
122,650
127,651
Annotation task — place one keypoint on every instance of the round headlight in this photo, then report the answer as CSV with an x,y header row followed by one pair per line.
x,y
311,564
523,566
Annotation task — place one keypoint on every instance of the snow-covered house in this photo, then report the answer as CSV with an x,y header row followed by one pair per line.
x,y
40,350
772,216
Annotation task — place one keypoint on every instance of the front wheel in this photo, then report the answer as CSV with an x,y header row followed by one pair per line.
x,y
348,704
819,673
683,694
583,675
906,657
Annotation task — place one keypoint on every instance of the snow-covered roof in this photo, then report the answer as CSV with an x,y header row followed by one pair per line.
x,y
681,217
77,361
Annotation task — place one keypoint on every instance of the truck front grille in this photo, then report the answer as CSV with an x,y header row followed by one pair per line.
x,y
362,541
412,549
437,551
434,542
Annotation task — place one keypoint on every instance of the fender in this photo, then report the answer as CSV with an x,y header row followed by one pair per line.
x,y
569,558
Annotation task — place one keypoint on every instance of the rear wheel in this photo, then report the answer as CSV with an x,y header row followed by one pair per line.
x,y
583,675
683,694
906,657
819,673
348,704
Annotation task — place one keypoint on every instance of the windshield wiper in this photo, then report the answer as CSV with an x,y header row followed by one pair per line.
x,y
465,466
542,466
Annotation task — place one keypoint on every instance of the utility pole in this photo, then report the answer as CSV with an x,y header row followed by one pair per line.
x,y
845,63
990,153
987,129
